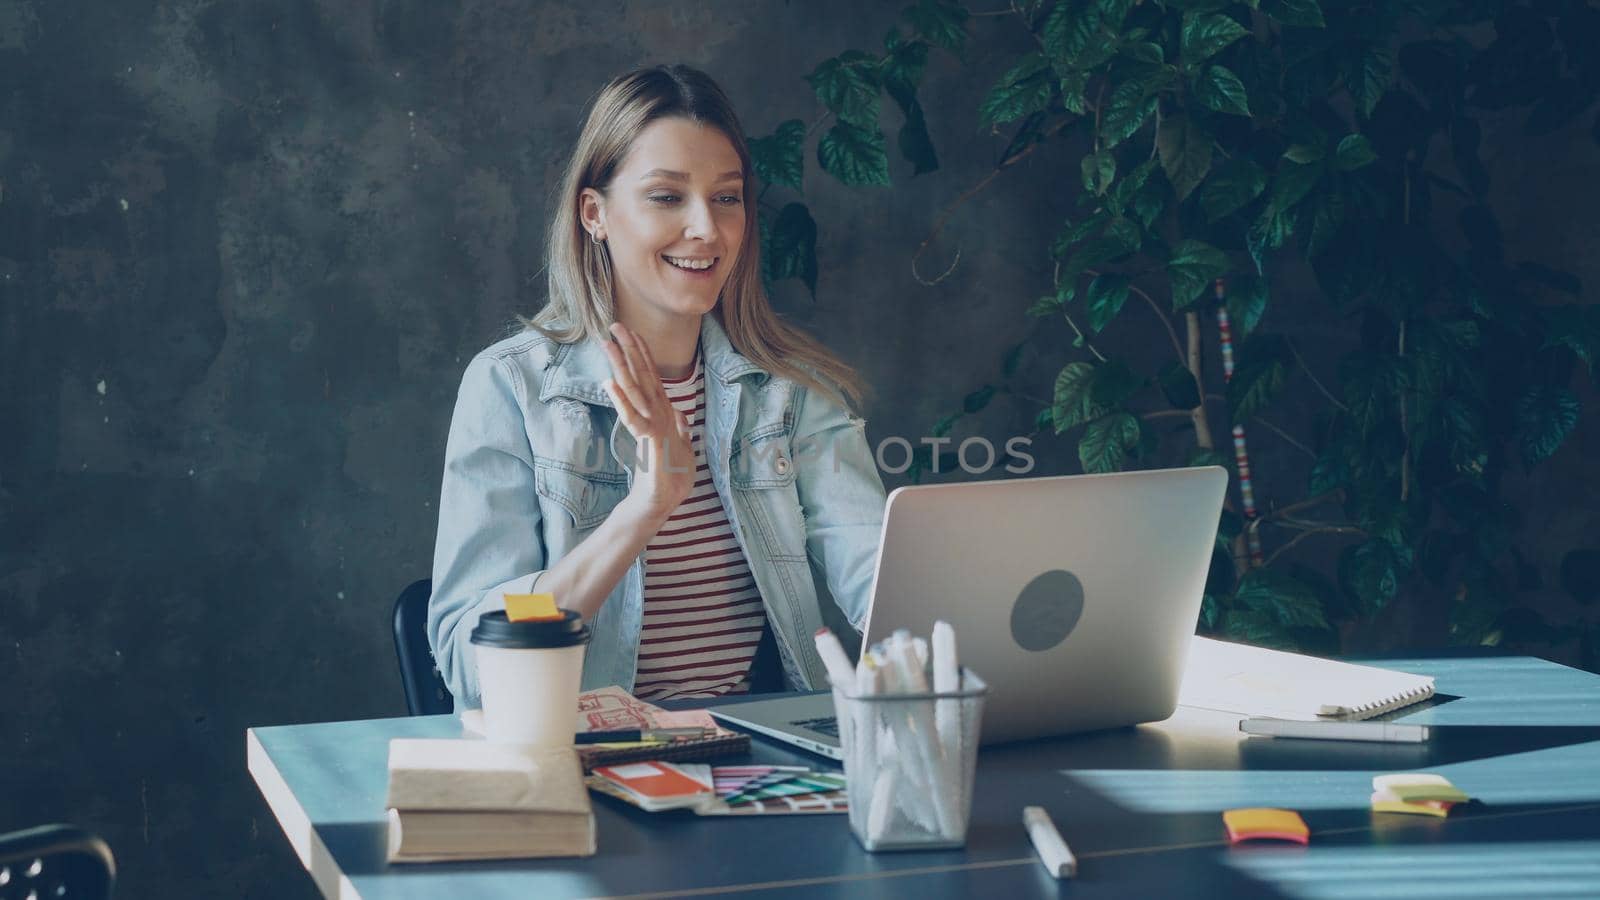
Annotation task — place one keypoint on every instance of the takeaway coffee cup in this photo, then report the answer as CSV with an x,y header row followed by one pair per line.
x,y
528,674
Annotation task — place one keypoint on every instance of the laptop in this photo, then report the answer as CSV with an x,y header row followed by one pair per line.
x,y
1074,597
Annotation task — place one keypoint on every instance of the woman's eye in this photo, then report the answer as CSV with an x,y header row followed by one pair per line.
x,y
663,198
730,199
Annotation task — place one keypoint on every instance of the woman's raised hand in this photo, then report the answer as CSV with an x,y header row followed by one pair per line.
x,y
664,465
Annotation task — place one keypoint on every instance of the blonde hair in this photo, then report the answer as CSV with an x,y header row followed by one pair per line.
x,y
580,304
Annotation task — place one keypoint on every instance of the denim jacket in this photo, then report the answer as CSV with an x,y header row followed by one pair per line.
x,y
537,459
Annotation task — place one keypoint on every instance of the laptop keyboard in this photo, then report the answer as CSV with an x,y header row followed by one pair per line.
x,y
827,725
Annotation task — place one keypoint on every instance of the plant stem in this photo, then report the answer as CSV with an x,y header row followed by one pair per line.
x,y
1202,424
1287,437
1177,346
944,214
1305,534
1313,376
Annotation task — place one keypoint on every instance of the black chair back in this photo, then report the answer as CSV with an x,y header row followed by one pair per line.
x,y
55,862
426,694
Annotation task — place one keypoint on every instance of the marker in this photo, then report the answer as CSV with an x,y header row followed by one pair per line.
x,y
1384,732
635,735
1053,851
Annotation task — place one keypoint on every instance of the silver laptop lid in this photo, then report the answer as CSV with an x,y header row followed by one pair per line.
x,y
1074,597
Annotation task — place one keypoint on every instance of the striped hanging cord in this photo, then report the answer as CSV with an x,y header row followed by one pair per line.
x,y
1241,453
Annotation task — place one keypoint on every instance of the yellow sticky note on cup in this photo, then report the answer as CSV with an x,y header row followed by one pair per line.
x,y
532,608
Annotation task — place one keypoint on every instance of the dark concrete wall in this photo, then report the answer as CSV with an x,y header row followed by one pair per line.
x,y
245,251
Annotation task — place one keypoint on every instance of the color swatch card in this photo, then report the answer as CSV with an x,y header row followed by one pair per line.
x,y
722,790
655,786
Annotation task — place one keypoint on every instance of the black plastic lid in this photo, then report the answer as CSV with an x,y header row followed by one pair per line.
x,y
495,630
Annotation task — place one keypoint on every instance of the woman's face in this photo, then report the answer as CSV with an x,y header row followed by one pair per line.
x,y
673,219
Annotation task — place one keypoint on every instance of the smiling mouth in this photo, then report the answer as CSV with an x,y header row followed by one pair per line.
x,y
692,266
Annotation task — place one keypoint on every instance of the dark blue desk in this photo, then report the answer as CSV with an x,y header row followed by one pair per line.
x,y
1139,807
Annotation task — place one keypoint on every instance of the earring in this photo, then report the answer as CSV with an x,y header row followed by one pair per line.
x,y
594,236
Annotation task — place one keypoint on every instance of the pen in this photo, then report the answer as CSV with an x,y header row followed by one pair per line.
x,y
1053,851
1385,732
635,735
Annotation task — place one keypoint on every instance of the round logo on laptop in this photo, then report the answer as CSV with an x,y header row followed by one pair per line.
x,y
1047,610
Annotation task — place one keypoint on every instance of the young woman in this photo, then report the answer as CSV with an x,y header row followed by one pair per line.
x,y
658,449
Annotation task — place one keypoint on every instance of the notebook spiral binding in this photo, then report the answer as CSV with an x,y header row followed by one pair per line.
x,y
1368,710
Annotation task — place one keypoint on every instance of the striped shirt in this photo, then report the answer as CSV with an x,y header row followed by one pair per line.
x,y
703,617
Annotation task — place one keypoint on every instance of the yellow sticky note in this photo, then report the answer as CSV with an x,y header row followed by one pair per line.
x,y
532,608
1411,787
1260,823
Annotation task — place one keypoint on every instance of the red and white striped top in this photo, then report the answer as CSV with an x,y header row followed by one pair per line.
x,y
703,617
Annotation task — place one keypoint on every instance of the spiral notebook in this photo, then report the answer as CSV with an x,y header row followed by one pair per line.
x,y
1255,681
612,708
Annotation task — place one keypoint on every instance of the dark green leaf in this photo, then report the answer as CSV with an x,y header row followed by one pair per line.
x,y
1366,76
978,399
1192,268
902,65
1073,86
940,22
1293,182
1206,34
1099,169
915,144
1047,305
1247,303
1126,110
1545,416
1261,367
1221,90
1105,298
1114,383
1185,152
780,158
1083,35
1147,52
1074,401
1150,202
1576,328
1177,384
1013,358
854,155
791,250
1268,232
1231,185
1021,91
1288,601
1106,442
1125,190
1329,472
1354,152
1368,572
848,85
1217,458
1326,219
1301,13
1304,154
943,426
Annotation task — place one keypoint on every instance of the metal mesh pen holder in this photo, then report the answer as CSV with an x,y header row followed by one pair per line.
x,y
908,761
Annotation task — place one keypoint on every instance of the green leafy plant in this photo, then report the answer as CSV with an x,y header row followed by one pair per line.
x,y
1222,141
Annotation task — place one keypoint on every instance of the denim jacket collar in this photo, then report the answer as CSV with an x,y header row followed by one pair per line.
x,y
576,370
